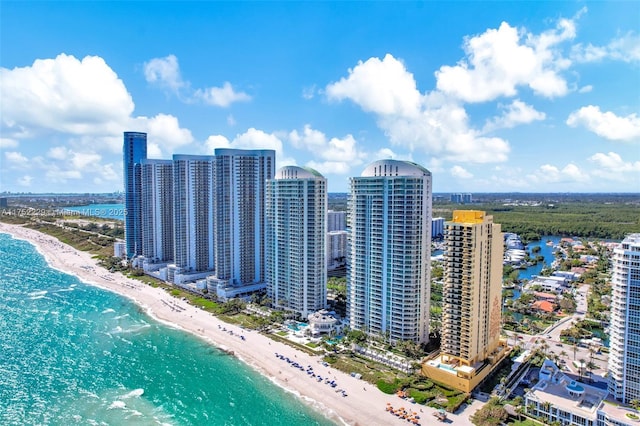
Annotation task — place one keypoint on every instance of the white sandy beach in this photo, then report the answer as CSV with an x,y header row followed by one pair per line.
x,y
363,405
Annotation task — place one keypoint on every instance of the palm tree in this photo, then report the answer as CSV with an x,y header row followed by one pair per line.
x,y
591,366
546,406
581,368
520,410
635,403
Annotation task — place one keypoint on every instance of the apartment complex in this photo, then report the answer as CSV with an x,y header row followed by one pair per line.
x,y
193,217
240,178
296,211
624,355
157,210
134,151
336,221
336,249
389,241
471,312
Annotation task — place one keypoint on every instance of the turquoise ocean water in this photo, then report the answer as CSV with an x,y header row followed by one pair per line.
x,y
72,354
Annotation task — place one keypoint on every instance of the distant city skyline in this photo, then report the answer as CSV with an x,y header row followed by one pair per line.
x,y
488,96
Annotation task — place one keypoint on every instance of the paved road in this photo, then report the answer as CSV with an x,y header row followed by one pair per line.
x,y
552,337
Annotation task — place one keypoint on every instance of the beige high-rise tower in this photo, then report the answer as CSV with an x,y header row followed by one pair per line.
x,y
471,313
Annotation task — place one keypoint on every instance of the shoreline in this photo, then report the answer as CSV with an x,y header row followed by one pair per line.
x,y
364,405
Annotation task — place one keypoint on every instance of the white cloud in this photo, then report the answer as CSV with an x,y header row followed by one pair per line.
x,y
231,121
380,86
611,166
55,174
59,153
164,132
606,124
548,173
165,73
625,48
221,96
85,161
310,139
500,60
585,89
329,167
309,92
16,159
251,139
460,172
514,114
339,154
257,139
6,143
385,153
215,141
434,122
25,180
79,97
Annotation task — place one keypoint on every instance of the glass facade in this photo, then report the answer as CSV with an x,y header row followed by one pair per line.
x,y
134,151
389,251
296,273
624,355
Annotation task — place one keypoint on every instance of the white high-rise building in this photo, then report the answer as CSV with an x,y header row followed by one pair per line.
x,y
624,347
193,193
389,241
296,272
336,249
240,180
437,227
157,210
336,221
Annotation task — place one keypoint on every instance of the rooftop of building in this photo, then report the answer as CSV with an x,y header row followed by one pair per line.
x,y
566,394
297,172
244,152
469,216
394,168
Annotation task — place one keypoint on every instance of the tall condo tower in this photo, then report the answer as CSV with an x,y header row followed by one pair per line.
x,y
134,151
470,345
193,193
296,270
624,355
336,221
240,180
389,248
472,287
157,210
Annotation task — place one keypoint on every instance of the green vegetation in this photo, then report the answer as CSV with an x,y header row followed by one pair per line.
x,y
96,244
526,422
593,219
491,414
424,391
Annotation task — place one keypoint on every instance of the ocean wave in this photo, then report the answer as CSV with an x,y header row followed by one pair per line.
x,y
108,311
37,293
117,405
42,296
134,393
120,316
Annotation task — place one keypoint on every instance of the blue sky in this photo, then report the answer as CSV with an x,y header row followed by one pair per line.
x,y
489,96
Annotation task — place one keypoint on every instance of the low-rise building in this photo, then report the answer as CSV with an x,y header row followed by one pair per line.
x,y
558,398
